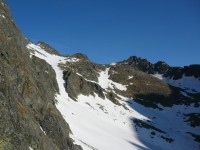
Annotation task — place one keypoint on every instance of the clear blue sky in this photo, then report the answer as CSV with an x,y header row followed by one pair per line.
x,y
112,30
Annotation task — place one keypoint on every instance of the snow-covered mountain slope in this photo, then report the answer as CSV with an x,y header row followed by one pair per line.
x,y
97,123
189,84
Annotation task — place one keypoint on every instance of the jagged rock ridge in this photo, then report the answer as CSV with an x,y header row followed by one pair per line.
x,y
162,68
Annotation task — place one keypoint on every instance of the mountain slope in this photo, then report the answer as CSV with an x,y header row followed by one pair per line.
x,y
47,99
97,103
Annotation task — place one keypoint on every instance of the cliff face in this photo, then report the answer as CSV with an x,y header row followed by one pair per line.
x,y
28,118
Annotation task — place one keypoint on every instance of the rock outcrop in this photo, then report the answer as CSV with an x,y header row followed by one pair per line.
x,y
29,117
48,48
162,68
177,72
82,77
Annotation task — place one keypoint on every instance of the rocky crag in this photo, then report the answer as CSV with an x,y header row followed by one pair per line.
x,y
28,116
162,67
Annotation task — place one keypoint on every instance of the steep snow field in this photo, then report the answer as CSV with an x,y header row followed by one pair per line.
x,y
99,124
189,84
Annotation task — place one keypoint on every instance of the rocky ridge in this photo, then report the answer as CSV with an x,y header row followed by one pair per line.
x,y
162,68
81,77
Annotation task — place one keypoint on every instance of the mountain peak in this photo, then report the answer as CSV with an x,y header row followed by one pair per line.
x,y
80,56
48,48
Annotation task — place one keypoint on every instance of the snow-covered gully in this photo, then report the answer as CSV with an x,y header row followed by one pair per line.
x,y
99,124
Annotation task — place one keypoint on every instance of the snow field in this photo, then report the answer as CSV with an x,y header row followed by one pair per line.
x,y
100,124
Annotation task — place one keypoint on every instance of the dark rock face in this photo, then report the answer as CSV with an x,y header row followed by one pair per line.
x,y
141,64
177,72
192,70
76,85
27,90
146,66
162,68
174,73
193,119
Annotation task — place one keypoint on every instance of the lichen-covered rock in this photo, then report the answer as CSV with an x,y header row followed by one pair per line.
x,y
28,115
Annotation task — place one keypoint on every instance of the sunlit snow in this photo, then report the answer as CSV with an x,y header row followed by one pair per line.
x,y
106,83
30,148
2,16
43,130
113,64
99,124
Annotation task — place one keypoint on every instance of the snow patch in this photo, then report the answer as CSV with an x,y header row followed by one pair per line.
x,y
113,64
159,76
42,130
30,148
3,16
72,59
130,77
106,83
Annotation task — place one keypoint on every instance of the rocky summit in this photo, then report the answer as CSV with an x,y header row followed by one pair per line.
x,y
50,101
